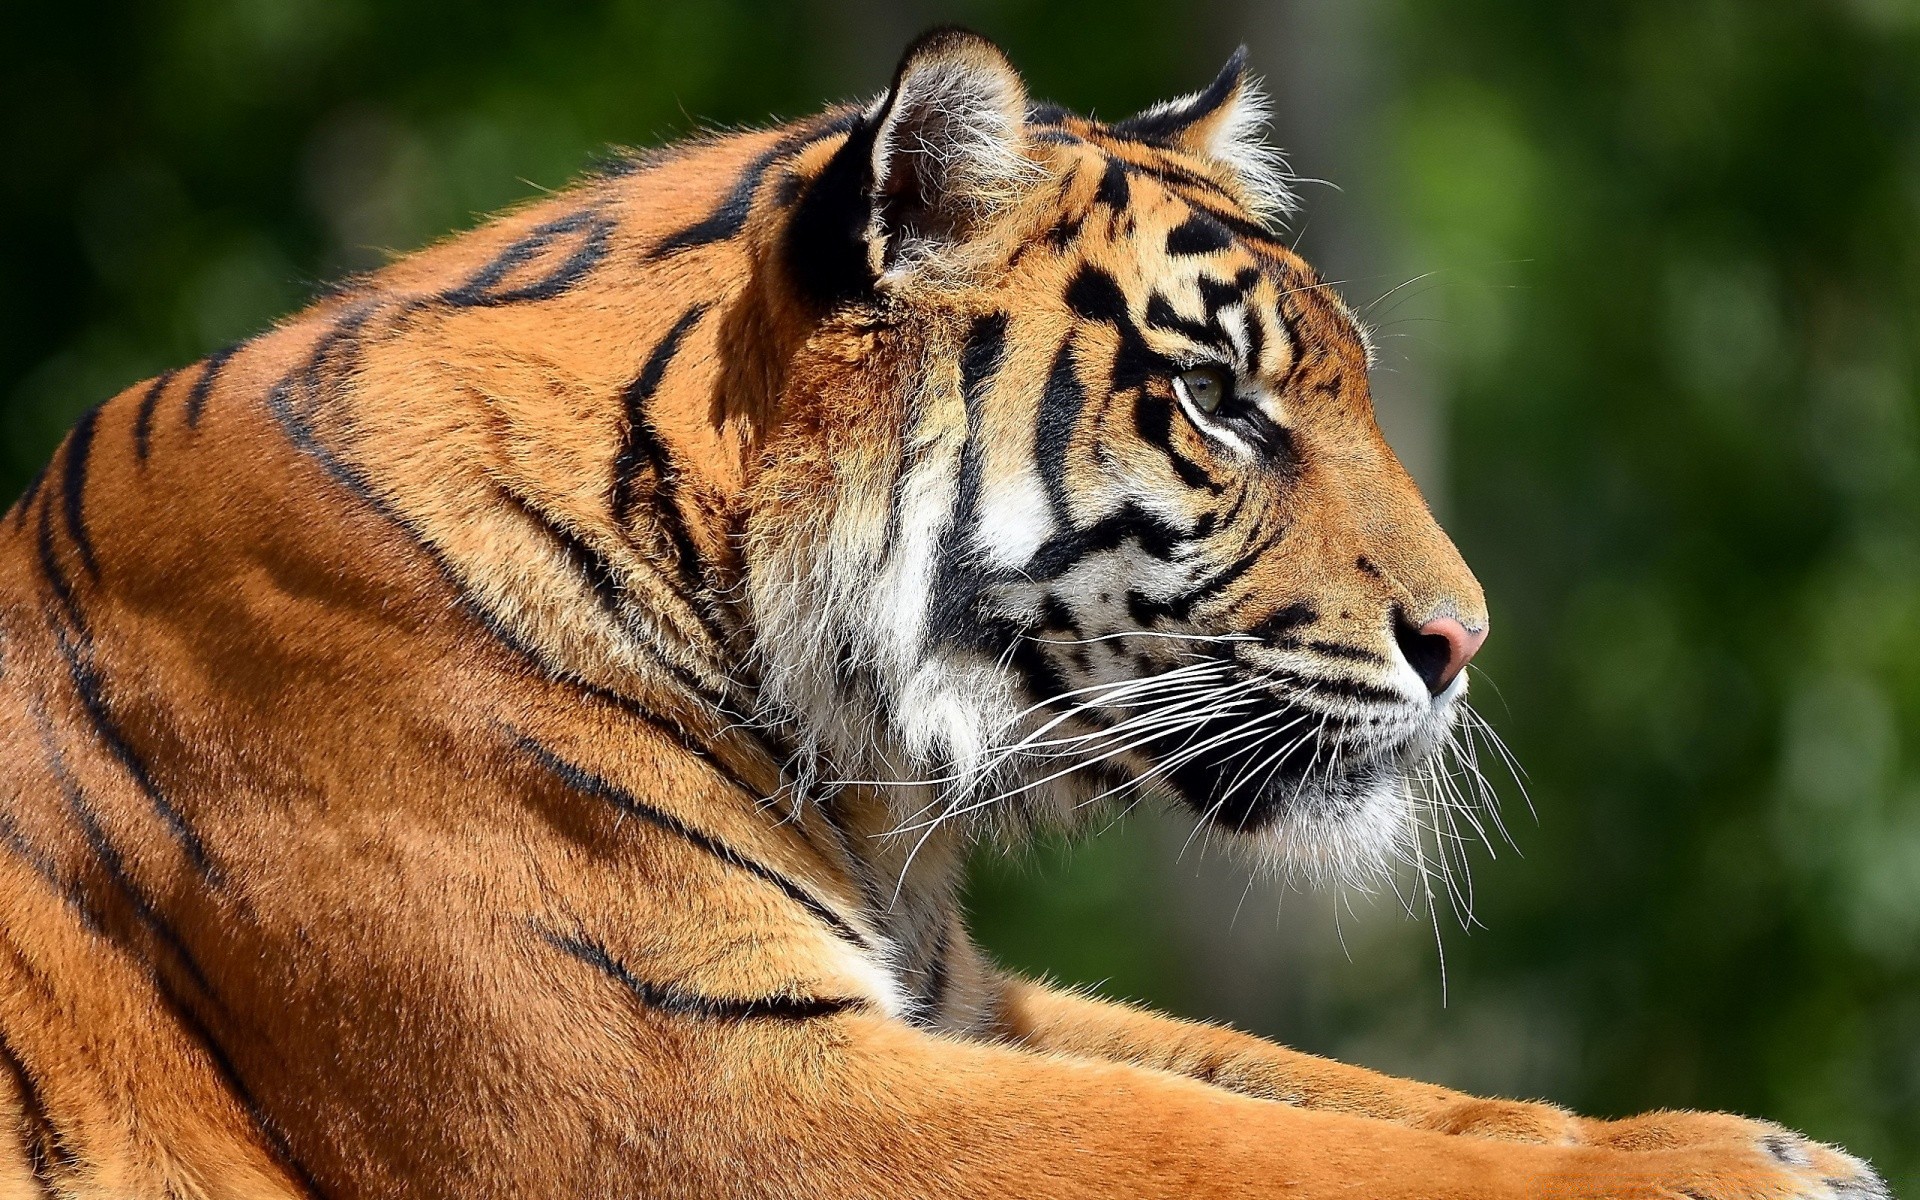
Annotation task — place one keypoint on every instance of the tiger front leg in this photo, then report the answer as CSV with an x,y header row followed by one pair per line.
x,y
1054,1021
856,1105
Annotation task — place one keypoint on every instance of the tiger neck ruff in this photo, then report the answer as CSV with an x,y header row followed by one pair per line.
x,y
513,728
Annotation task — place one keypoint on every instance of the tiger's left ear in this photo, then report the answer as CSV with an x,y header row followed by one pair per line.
x,y
928,166
947,148
1225,123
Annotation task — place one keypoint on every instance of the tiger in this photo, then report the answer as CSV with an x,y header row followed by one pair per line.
x,y
517,727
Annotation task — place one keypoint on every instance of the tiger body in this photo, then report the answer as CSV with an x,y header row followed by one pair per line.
x,y
496,733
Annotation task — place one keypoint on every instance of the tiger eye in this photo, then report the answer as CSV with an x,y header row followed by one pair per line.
x,y
1206,388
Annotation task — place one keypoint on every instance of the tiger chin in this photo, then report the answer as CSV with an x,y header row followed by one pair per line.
x,y
515,727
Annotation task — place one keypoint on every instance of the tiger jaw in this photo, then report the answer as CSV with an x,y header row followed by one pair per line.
x,y
1267,768
1326,791
1316,785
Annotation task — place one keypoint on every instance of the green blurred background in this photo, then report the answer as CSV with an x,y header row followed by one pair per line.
x,y
1659,369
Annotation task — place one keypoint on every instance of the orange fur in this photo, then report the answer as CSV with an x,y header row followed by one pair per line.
x,y
431,731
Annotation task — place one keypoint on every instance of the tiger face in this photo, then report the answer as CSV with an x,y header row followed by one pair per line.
x,y
1139,531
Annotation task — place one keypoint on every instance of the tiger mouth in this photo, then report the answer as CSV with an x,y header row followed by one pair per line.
x,y
1247,772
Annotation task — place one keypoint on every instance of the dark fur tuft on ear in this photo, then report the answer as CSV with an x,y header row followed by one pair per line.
x,y
1168,121
938,155
1224,122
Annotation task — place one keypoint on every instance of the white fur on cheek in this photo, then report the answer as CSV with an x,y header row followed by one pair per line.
x,y
1015,519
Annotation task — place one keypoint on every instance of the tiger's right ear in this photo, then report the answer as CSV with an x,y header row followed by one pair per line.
x,y
930,162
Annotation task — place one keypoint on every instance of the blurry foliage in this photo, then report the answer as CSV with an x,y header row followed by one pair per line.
x,y
1677,256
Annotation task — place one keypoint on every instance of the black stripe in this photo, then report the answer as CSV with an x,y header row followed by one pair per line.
x,y
669,999
1067,227
1199,234
1256,328
1133,523
643,445
111,862
108,856
26,499
1061,403
45,1145
1342,650
1153,421
203,386
143,417
43,864
87,683
56,579
1095,295
729,217
1290,317
1130,523
1207,196
302,385
483,288
73,487
603,581
1114,191
114,866
594,569
1147,611
1216,294
16,840
581,780
1162,315
1242,227
640,445
77,649
1224,578
673,732
1056,617
1038,674
1191,187
1285,621
958,575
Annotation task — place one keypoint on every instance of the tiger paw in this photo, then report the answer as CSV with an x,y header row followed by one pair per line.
x,y
1762,1163
1676,1130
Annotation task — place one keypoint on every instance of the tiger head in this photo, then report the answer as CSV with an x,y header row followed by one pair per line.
x,y
1077,490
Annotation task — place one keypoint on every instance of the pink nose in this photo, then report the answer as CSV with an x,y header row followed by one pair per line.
x,y
1439,650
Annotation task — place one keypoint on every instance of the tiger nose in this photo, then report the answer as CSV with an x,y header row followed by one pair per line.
x,y
1438,650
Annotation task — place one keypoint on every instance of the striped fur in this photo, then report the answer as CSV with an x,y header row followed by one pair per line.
x,y
514,728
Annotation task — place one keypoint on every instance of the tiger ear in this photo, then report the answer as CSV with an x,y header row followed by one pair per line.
x,y
1225,123
948,149
924,168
